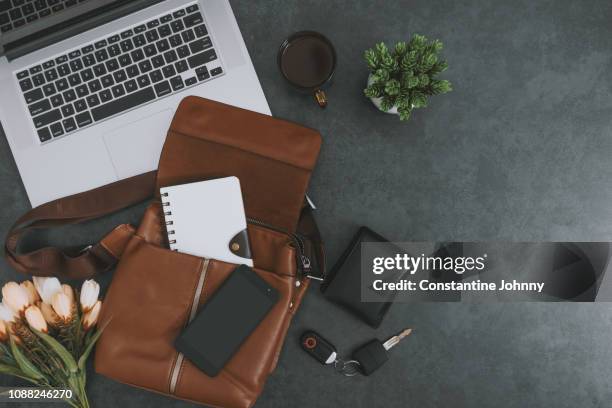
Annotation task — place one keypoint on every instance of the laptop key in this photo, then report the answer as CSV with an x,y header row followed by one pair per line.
x,y
47,118
193,19
170,56
143,81
202,58
107,81
119,75
191,81
33,95
177,83
35,69
114,50
112,65
162,45
153,23
181,66
125,60
57,100
69,124
101,55
200,45
39,107
74,54
48,64
162,88
83,119
6,27
82,90
150,50
22,74
51,74
118,90
106,95
113,38
61,84
44,13
137,55
19,23
95,86
216,71
87,48
202,73
168,71
183,51
132,71
156,76
126,45
131,86
89,60
80,105
178,13
76,65
63,70
175,40
44,134
188,35
139,29
177,26
25,84
200,30
87,75
157,61
99,70
67,110
152,35
127,33
100,44
139,40
49,89
166,18
4,18
145,66
69,95
122,104
38,79
74,79
93,100
192,8
56,129
164,30
61,59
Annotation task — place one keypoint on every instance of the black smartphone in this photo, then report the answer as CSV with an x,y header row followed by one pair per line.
x,y
226,320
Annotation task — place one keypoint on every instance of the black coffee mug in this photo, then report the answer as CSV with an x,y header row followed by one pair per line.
x,y
307,60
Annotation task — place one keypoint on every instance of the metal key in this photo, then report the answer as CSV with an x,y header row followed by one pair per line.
x,y
373,355
396,339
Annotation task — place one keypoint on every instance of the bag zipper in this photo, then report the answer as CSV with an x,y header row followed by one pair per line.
x,y
176,368
303,262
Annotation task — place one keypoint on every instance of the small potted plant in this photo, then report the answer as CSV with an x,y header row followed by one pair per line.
x,y
404,78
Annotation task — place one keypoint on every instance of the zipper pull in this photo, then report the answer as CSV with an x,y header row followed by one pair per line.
x,y
305,264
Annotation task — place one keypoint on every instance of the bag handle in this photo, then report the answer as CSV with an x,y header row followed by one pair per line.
x,y
74,263
83,263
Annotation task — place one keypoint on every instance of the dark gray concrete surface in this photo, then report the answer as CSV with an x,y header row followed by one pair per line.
x,y
519,151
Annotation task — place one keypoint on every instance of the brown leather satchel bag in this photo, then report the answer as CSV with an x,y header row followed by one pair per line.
x,y
155,292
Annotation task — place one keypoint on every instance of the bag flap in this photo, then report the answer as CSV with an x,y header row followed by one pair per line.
x,y
272,158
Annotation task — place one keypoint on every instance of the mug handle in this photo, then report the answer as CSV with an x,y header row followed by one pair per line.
x,y
320,97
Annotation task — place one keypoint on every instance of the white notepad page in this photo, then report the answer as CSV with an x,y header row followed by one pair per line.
x,y
202,218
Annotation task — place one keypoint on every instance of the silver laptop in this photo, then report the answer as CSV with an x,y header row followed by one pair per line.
x,y
88,88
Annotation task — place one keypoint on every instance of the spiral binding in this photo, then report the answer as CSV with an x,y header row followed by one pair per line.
x,y
168,222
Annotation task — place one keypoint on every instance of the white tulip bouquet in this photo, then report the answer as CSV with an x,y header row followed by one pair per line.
x,y
46,335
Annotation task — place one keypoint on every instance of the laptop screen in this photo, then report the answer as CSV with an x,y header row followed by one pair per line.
x,y
39,23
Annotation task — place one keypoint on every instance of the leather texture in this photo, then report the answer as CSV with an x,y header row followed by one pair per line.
x,y
155,291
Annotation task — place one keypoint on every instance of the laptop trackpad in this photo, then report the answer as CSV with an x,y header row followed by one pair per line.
x,y
135,148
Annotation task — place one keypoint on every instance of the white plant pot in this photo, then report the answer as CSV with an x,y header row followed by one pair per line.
x,y
377,101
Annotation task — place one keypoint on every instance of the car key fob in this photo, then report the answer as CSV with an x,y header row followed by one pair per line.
x,y
319,348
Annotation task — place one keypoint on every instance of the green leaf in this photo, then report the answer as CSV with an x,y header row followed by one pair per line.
x,y
371,60
392,87
413,82
89,347
381,50
372,91
418,41
60,350
15,372
423,80
381,75
387,103
400,48
404,113
419,100
437,45
26,366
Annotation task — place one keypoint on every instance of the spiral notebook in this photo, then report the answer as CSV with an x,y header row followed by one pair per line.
x,y
207,219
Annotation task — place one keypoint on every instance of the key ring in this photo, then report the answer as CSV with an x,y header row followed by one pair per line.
x,y
348,368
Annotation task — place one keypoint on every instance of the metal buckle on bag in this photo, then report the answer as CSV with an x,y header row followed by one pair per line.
x,y
85,249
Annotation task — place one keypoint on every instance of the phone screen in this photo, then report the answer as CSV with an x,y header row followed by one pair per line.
x,y
226,320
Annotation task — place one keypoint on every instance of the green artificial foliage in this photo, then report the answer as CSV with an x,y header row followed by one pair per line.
x,y
406,76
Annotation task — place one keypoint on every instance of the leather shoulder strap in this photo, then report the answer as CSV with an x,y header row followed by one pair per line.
x,y
81,263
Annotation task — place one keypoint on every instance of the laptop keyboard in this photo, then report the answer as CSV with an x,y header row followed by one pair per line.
x,y
16,13
117,73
